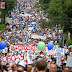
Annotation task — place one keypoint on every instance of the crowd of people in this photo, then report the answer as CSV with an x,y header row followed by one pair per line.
x,y
25,30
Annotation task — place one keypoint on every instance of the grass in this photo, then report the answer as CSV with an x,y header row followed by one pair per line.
x,y
68,41
2,26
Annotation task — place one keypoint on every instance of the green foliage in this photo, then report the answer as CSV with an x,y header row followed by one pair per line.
x,y
59,11
44,4
37,5
2,26
68,41
9,5
45,24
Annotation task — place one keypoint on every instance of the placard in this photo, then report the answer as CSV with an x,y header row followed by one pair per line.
x,y
12,58
26,48
3,5
59,59
69,61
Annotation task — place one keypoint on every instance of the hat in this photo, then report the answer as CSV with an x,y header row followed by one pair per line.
x,y
22,63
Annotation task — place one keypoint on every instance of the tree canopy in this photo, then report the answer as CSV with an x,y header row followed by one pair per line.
x,y
59,11
9,5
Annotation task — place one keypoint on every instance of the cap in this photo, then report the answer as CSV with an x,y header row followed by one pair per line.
x,y
22,63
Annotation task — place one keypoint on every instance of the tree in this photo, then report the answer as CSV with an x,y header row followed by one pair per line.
x,y
9,5
45,24
44,4
60,12
68,11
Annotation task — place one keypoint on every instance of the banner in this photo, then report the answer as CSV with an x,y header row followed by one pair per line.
x,y
60,50
12,58
26,48
69,61
3,5
34,36
59,59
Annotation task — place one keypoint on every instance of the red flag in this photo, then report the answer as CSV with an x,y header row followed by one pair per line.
x,y
26,61
27,19
3,5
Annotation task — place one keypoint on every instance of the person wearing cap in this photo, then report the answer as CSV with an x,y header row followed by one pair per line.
x,y
21,66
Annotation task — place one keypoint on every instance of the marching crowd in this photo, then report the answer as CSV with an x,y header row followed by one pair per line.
x,y
24,30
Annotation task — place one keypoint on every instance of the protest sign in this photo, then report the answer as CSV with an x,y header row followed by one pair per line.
x,y
3,5
59,59
26,48
60,50
50,52
12,58
69,61
34,36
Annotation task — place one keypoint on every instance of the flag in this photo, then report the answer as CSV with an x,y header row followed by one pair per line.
x,y
27,38
0,38
26,61
37,24
42,32
28,19
3,5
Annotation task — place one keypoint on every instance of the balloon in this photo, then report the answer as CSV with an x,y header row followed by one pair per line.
x,y
32,29
6,43
19,16
17,25
50,46
30,22
24,22
55,42
70,46
7,37
0,51
2,45
41,45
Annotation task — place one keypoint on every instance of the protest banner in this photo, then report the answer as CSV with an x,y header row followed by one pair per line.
x,y
3,5
69,61
60,50
59,58
34,36
12,58
26,48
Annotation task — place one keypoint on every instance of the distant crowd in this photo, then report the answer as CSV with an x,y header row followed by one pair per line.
x,y
24,30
